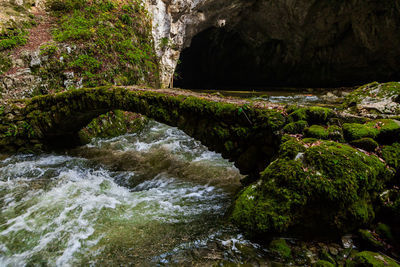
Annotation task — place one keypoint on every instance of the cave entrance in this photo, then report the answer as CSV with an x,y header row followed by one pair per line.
x,y
221,58
218,58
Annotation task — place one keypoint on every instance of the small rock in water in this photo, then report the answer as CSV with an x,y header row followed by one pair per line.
x,y
347,241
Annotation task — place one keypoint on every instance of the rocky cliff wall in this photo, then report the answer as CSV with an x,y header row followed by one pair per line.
x,y
299,41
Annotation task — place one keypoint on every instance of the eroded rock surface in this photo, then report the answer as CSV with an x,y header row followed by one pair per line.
x,y
292,42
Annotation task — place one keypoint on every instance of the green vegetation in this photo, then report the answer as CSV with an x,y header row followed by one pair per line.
x,y
12,38
109,43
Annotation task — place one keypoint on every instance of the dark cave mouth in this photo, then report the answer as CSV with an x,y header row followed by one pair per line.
x,y
219,58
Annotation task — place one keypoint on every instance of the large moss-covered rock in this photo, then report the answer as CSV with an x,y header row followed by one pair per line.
x,y
313,115
374,98
332,132
384,131
296,127
328,186
391,154
371,259
280,248
365,143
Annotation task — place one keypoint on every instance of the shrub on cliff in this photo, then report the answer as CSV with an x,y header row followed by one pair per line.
x,y
100,42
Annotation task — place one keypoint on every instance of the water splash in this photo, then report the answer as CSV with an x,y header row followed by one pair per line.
x,y
68,210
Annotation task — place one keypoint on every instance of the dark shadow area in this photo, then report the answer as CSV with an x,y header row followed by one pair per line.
x,y
220,59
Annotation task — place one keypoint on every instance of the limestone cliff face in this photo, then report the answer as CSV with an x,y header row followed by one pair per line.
x,y
176,22
311,42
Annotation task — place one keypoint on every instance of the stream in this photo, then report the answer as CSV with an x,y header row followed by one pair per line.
x,y
153,198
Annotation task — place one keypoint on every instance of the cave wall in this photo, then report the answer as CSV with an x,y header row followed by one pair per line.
x,y
298,42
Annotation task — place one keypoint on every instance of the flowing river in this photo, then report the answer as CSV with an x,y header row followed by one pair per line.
x,y
153,198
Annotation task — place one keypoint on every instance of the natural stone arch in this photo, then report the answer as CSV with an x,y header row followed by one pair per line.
x,y
249,136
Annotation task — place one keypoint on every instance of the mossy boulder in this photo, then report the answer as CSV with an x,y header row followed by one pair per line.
x,y
375,98
317,131
291,148
391,154
371,259
384,131
329,187
280,248
332,132
112,124
296,127
313,115
366,143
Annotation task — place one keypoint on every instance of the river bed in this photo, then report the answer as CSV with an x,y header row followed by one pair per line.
x,y
153,198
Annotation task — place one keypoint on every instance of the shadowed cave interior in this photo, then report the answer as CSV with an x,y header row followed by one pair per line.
x,y
221,58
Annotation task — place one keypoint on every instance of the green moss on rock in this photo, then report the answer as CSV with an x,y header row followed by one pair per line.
x,y
381,98
371,259
384,131
391,154
295,127
317,131
313,115
330,187
370,239
112,124
280,248
366,143
291,148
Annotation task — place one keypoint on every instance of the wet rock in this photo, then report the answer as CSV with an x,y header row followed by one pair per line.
x,y
374,99
313,193
347,241
370,259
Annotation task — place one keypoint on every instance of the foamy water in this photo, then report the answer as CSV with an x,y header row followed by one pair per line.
x,y
65,210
